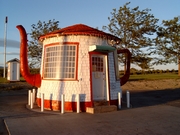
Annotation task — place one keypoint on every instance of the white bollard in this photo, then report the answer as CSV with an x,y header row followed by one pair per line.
x,y
29,97
78,103
34,95
119,100
31,100
42,102
128,99
62,103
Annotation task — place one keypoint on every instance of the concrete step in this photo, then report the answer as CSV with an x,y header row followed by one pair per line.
x,y
101,109
100,103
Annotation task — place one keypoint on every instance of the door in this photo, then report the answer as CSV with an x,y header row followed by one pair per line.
x,y
98,64
14,71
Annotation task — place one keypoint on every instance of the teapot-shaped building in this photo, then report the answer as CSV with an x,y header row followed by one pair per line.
x,y
76,60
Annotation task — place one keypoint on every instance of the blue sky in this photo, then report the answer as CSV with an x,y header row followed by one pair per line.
x,y
94,13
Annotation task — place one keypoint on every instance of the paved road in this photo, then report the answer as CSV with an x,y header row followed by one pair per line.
x,y
151,114
13,105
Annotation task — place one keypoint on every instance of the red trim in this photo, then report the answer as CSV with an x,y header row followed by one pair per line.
x,y
100,53
69,106
77,54
114,102
90,70
61,43
52,44
77,57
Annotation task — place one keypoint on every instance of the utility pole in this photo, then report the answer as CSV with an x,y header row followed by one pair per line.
x,y
5,37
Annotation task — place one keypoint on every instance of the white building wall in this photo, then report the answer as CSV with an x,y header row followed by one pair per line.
x,y
54,89
114,84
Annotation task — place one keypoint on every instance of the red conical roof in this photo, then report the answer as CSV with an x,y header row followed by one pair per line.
x,y
80,29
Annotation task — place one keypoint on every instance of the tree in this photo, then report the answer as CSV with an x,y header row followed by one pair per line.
x,y
34,46
144,63
168,42
134,27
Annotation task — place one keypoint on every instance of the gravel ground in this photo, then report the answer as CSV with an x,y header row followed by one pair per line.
x,y
13,97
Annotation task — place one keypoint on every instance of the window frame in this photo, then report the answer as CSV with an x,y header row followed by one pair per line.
x,y
76,44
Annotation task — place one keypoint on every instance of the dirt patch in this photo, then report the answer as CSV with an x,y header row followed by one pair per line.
x,y
153,92
151,85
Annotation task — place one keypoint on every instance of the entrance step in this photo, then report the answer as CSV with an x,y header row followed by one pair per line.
x,y
101,109
100,103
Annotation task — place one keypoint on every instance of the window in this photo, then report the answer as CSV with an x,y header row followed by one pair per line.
x,y
60,61
97,64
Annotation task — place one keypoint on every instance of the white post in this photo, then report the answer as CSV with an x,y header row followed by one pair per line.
x,y
128,99
34,95
29,97
78,103
62,103
5,36
42,102
31,100
119,100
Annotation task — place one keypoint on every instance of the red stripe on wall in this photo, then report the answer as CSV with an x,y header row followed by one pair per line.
x,y
69,106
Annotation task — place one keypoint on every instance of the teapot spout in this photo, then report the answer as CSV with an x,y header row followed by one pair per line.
x,y
33,79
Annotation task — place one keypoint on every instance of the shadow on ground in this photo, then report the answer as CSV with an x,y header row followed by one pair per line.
x,y
155,97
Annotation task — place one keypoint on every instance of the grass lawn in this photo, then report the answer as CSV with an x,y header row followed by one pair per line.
x,y
4,80
154,76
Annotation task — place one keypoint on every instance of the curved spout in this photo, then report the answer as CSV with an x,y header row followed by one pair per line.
x,y
33,79
125,78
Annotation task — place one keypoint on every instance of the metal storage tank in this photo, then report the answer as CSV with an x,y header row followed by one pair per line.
x,y
13,73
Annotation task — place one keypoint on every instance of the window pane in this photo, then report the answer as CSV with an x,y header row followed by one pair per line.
x,y
59,62
97,64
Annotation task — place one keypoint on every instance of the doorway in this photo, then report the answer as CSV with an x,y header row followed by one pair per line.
x,y
14,71
99,77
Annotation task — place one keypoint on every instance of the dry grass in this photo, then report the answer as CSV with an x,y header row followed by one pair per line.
x,y
145,85
14,86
